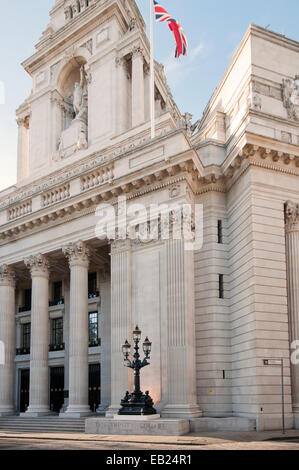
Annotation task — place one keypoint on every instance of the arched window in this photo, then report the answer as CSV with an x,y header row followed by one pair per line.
x,y
71,13
78,6
86,3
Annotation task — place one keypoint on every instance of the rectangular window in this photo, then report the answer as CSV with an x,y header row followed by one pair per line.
x,y
220,232
93,328
221,286
57,291
27,300
26,335
92,285
57,331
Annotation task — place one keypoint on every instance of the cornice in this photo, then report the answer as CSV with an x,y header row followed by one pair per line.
x,y
73,170
86,201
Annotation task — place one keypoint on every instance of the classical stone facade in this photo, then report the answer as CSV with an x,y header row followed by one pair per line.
x,y
70,298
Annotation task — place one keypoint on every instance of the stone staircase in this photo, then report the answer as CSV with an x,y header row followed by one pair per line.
x,y
44,424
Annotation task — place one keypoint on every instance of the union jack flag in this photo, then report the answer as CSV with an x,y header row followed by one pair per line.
x,y
181,41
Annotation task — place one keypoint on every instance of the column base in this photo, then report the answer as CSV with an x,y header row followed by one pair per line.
x,y
76,411
102,409
35,412
112,411
181,411
296,420
7,411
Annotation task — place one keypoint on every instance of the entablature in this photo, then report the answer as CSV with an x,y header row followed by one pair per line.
x,y
152,166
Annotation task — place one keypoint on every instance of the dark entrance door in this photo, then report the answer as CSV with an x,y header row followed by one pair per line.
x,y
24,392
94,386
56,388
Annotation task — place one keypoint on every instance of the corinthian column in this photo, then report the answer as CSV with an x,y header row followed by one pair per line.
x,y
7,339
78,257
137,87
292,251
39,343
181,368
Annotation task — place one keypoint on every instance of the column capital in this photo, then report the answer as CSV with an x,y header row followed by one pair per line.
x,y
77,253
7,276
292,215
23,122
120,246
120,61
38,265
137,51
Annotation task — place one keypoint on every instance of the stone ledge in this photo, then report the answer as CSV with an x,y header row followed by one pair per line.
x,y
158,427
222,424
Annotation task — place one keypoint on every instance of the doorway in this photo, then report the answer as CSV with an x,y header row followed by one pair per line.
x,y
24,392
94,386
56,388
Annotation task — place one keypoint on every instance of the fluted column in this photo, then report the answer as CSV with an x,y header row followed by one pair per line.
x,y
138,108
122,96
292,252
181,368
23,127
39,342
105,290
78,257
121,326
7,339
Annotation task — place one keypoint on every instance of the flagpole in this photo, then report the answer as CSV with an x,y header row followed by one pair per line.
x,y
152,71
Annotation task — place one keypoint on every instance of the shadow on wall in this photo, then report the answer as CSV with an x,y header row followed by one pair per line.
x,y
2,353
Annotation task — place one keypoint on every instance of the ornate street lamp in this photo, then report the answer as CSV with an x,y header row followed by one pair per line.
x,y
137,403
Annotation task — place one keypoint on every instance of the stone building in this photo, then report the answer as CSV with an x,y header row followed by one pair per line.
x,y
69,298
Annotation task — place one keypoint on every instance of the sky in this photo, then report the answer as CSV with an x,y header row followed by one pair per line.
x,y
214,30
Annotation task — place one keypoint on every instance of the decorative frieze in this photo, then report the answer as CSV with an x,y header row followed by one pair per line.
x,y
91,162
97,178
55,195
290,95
20,210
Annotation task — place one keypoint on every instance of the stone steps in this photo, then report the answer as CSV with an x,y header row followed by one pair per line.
x,y
42,424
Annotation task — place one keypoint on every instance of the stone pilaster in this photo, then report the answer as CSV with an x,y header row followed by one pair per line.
x,y
7,339
105,325
122,95
181,395
292,250
78,257
138,106
121,327
66,330
39,342
23,142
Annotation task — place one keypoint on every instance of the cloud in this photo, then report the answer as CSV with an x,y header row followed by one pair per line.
x,y
178,69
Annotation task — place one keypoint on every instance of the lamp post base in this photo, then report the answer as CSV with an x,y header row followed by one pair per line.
x,y
137,404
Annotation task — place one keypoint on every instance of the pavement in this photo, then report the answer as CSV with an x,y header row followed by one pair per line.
x,y
195,441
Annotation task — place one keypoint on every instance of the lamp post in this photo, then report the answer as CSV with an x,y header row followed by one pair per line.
x,y
137,403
